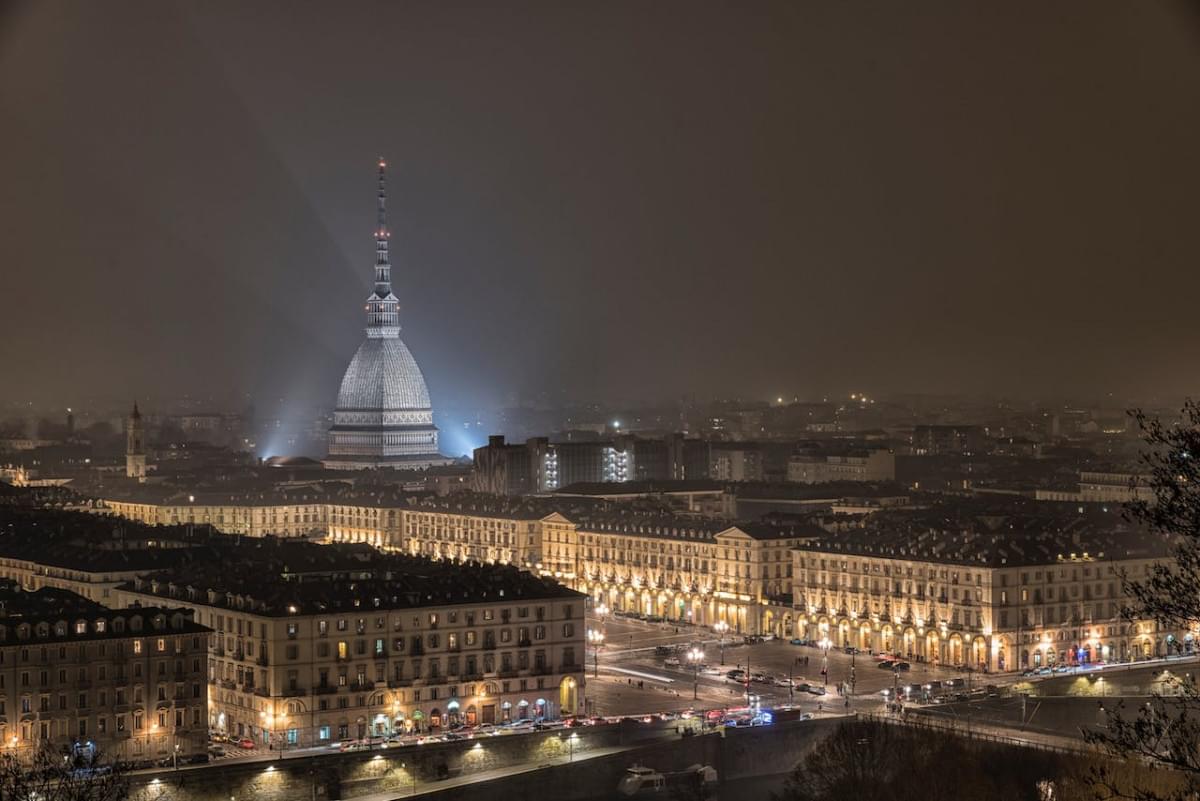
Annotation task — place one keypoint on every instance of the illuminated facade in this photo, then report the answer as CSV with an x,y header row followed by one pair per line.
x,y
293,676
968,608
383,417
128,683
679,568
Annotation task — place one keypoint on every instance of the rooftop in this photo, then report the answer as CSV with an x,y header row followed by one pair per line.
x,y
994,532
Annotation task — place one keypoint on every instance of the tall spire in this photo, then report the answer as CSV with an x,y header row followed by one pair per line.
x,y
383,309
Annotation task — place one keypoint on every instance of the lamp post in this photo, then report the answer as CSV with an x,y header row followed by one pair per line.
x,y
596,638
825,643
602,612
721,627
694,655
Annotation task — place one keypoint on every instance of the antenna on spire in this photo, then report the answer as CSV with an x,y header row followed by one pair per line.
x,y
382,232
383,318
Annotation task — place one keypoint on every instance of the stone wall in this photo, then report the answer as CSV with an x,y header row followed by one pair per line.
x,y
330,777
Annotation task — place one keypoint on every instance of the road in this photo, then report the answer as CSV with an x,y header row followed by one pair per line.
x,y
628,657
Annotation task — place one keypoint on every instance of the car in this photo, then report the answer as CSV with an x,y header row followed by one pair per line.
x,y
216,750
354,745
783,681
663,650
524,724
815,690
197,759
484,730
671,662
901,666
736,675
760,678
1045,671
245,742
885,665
850,649
711,671
218,737
797,641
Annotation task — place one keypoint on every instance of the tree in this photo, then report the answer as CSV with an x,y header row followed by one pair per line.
x,y
890,762
1165,731
49,775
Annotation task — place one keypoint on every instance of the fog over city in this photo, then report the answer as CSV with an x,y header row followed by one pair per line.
x,y
601,202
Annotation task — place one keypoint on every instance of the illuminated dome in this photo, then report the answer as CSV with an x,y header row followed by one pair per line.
x,y
383,416
383,377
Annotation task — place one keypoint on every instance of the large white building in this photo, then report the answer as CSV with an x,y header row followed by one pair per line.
x,y
383,417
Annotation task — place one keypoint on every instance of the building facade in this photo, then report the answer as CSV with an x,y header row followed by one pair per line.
x,y
76,677
984,602
292,676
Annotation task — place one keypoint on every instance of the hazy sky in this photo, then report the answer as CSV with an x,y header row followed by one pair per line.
x,y
607,199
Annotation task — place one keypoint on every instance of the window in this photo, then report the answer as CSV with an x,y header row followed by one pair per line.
x,y
137,646
343,650
380,648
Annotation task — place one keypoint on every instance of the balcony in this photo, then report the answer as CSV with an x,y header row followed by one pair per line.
x,y
362,686
293,692
395,683
228,684
262,660
507,674
326,689
261,692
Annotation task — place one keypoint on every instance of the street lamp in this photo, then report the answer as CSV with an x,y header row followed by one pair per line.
x,y
694,655
825,643
721,627
602,612
596,638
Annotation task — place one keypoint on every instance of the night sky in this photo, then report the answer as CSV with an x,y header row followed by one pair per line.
x,y
602,200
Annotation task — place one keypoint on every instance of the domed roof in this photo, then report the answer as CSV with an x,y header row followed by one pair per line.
x,y
383,375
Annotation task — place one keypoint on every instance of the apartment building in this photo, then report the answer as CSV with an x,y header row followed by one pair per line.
x,y
982,584
310,648
692,570
81,678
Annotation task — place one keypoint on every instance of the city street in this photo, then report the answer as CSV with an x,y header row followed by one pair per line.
x,y
628,657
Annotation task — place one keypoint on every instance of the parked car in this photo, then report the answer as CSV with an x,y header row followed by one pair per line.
x,y
197,759
216,750
799,641
813,689
783,681
736,675
521,725
354,745
662,650
246,743
671,662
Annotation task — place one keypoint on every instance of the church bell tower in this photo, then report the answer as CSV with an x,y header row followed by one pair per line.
x,y
135,446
